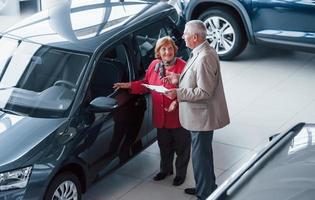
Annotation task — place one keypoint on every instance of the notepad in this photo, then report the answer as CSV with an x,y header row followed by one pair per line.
x,y
156,88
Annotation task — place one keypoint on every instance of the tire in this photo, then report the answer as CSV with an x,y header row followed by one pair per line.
x,y
65,186
225,32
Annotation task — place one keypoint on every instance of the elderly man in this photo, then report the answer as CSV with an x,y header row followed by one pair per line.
x,y
202,104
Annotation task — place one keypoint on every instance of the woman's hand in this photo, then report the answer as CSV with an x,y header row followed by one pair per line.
x,y
172,106
126,85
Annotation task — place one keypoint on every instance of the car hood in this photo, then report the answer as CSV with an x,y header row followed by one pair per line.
x,y
20,134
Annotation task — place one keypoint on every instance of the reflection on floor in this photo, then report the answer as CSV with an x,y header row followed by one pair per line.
x,y
268,91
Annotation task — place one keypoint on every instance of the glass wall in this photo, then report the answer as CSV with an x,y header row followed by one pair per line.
x,y
19,7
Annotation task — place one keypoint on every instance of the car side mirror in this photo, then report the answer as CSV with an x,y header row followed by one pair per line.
x,y
102,104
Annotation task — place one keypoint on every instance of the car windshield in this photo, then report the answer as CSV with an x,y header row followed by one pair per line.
x,y
37,80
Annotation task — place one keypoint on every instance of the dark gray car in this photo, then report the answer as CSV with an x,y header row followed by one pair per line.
x,y
62,124
283,170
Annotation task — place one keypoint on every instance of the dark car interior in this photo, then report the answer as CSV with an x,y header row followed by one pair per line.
x,y
111,68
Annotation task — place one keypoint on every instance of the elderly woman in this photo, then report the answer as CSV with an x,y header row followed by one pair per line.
x,y
170,135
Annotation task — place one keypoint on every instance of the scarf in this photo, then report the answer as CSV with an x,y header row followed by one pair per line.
x,y
160,67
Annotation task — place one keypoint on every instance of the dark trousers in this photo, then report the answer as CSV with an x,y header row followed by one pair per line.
x,y
172,140
202,161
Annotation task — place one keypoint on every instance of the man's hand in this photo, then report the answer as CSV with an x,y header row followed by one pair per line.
x,y
171,93
126,85
171,77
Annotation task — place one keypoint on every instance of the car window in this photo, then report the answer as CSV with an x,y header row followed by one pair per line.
x,y
37,80
183,52
147,37
112,67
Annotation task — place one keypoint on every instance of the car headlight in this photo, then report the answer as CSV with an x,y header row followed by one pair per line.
x,y
15,179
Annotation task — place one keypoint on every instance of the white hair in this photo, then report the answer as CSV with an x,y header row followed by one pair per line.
x,y
197,27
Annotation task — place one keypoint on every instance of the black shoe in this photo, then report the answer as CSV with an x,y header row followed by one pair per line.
x,y
178,180
161,175
191,191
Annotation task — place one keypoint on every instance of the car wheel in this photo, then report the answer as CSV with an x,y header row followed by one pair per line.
x,y
65,186
224,32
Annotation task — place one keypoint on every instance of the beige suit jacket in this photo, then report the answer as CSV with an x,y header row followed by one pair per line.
x,y
202,104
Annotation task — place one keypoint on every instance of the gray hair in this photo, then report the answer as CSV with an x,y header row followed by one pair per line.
x,y
197,27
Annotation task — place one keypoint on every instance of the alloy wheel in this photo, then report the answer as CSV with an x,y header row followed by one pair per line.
x,y
220,34
66,191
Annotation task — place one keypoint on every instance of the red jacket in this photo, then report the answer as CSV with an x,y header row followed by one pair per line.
x,y
161,118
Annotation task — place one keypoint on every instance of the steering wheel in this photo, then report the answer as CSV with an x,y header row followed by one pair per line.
x,y
66,84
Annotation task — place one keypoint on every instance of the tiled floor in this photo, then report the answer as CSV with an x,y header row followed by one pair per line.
x,y
268,90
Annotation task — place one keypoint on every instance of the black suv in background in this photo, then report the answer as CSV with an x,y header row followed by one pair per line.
x,y
62,124
232,23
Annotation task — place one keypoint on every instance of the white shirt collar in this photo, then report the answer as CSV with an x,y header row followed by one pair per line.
x,y
197,48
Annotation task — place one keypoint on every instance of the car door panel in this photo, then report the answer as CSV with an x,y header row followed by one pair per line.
x,y
115,135
287,20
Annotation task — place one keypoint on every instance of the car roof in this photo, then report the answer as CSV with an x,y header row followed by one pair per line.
x,y
284,169
83,25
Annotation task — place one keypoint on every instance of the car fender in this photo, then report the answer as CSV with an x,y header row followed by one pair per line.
x,y
190,12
